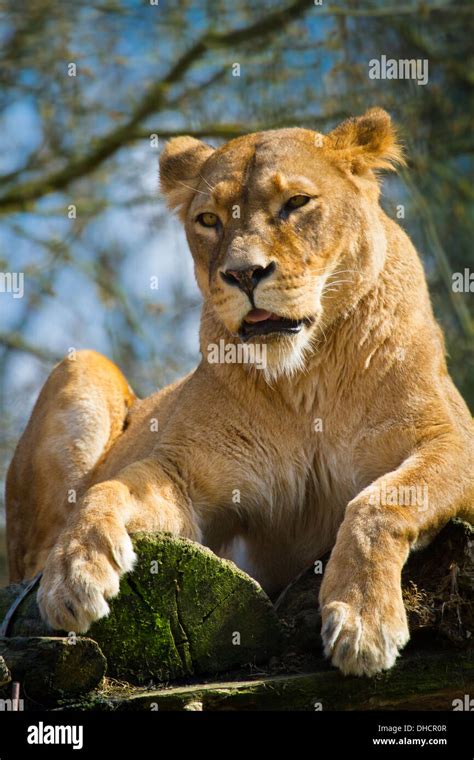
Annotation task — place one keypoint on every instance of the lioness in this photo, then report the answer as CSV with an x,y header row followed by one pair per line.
x,y
327,443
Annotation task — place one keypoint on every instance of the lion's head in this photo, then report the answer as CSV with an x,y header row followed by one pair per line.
x,y
285,228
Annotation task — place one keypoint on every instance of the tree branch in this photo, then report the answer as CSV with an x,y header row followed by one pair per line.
x,y
16,342
229,130
423,8
19,197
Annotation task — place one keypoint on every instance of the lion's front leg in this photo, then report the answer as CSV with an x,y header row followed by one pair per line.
x,y
84,568
364,624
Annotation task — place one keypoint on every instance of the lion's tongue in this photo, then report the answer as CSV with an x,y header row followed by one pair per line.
x,y
259,315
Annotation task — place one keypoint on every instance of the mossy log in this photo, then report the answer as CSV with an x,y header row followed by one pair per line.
x,y
419,681
50,668
182,612
5,675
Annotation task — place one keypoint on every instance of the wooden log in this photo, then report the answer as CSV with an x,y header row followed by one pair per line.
x,y
178,613
52,668
183,611
5,676
416,683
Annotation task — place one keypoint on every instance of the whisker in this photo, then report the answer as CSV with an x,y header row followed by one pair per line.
x,y
194,189
207,183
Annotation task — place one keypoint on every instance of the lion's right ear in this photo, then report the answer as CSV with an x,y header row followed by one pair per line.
x,y
180,165
367,142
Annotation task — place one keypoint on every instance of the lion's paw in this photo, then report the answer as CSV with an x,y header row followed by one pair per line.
x,y
79,578
362,643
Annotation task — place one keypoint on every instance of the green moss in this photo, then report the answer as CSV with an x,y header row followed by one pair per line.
x,y
5,676
196,614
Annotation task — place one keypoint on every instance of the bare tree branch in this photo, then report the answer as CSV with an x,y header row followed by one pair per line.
x,y
422,8
16,342
19,197
229,130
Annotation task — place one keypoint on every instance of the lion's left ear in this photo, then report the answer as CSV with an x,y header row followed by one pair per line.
x,y
180,164
367,142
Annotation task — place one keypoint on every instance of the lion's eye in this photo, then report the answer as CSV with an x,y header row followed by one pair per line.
x,y
208,219
297,201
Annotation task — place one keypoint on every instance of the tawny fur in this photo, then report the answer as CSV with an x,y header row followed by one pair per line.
x,y
287,457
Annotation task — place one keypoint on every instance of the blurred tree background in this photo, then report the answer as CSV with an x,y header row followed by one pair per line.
x,y
89,93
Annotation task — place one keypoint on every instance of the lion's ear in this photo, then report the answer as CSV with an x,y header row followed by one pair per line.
x,y
180,164
367,142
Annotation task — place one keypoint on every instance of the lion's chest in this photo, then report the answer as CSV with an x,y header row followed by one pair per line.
x,y
275,487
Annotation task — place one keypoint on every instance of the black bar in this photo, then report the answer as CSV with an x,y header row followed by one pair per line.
x,y
373,734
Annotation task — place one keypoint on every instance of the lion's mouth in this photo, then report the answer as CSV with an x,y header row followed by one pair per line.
x,y
261,322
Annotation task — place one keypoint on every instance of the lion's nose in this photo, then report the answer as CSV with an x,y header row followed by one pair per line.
x,y
248,278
